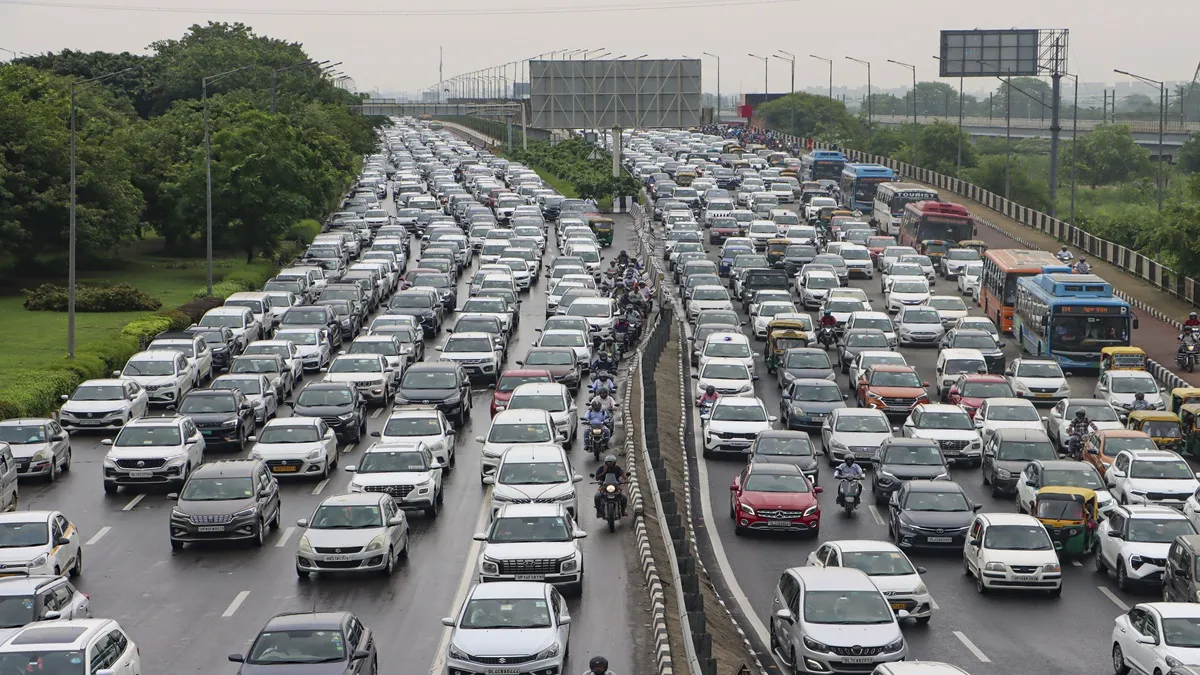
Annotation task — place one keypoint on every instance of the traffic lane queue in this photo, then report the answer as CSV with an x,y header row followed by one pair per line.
x,y
238,588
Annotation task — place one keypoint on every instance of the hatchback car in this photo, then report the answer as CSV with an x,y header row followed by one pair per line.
x,y
854,431
40,446
1011,551
63,646
40,542
326,643
775,497
297,446
732,424
888,567
363,532
509,621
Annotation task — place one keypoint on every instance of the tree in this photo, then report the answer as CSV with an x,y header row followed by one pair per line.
x,y
887,141
939,148
1108,154
814,116
1179,232
1023,188
130,86
1189,154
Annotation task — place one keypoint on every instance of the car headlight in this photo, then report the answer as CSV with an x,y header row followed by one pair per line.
x,y
893,647
38,561
456,653
1004,474
355,487
994,567
570,565
832,377
549,652
815,646
231,423
942,476
810,510
1064,388
886,474
255,455
453,400
921,589
176,461
378,543
746,508
489,567
42,455
746,389
1173,662
315,454
1051,567
246,513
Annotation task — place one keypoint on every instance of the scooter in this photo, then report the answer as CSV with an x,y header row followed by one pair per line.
x,y
1075,446
850,490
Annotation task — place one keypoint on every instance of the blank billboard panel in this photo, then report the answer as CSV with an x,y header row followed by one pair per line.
x,y
989,53
602,94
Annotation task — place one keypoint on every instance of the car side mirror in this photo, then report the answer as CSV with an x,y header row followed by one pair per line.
x,y
448,621
1031,483
376,434
1147,640
302,523
695,376
976,507
51,615
489,480
924,384
978,422
396,521
785,615
817,489
236,658
479,536
972,542
1115,534
107,441
172,495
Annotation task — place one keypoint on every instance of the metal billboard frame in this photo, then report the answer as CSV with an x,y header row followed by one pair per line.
x,y
989,53
624,93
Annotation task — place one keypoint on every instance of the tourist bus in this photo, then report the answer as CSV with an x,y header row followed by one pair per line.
x,y
859,182
998,283
890,200
820,164
927,222
1070,318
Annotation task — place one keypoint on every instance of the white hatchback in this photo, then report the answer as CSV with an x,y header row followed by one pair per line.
x,y
296,446
1011,551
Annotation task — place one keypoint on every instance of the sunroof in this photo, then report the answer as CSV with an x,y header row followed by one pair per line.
x,y
49,635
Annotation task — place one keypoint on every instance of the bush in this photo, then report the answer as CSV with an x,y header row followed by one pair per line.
x,y
154,324
196,308
251,278
90,298
303,232
221,291
35,392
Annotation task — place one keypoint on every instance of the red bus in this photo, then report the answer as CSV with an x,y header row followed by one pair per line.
x,y
998,284
930,221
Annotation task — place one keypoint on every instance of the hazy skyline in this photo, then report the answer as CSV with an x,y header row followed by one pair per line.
x,y
395,48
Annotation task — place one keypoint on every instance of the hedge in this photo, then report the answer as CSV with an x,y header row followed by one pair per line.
x,y
90,298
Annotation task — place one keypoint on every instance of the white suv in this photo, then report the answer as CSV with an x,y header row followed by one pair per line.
x,y
733,424
153,451
950,427
533,541
1151,477
475,352
1134,541
534,474
426,424
102,642
407,471
165,374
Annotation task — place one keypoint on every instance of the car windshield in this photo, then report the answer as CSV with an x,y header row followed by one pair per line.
x,y
148,436
823,392
846,607
955,419
986,390
1164,470
1134,385
759,481
1116,444
879,323
959,366
913,455
820,282
281,351
983,342
485,306
1162,428
313,396
1158,531
863,424
593,310
347,517
532,473
299,337
893,378
843,305
903,270
17,535
244,364
727,348
549,358
1013,413
564,339
43,661
515,613
734,251
799,446
972,270
739,413
520,433
464,345
1083,477
289,433
530,529
1182,632
1025,451
709,293
773,308
1096,412
1017,538
388,461
412,426
725,371
866,340
411,301
921,316
249,387
878,563
297,646
548,402
808,360
156,367
217,489
17,611
1039,369
909,287
208,404
429,379
353,364
23,434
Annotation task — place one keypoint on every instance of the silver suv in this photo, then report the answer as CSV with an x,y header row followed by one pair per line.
x,y
153,451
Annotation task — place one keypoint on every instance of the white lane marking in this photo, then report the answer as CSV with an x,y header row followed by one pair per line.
x,y
1115,600
377,412
96,537
875,514
971,647
237,602
464,584
134,502
1076,563
320,486
347,448
283,538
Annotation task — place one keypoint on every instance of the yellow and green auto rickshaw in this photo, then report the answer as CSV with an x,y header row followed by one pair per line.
x,y
782,335
1181,396
775,251
1164,427
603,229
1189,422
978,245
935,249
1070,516
1122,358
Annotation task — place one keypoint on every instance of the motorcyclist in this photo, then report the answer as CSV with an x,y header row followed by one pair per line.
x,y
1082,267
828,320
847,469
607,403
1064,254
604,362
608,348
709,396
603,380
609,468
622,258
598,666
1080,426
596,415
1139,402
1189,336
1192,321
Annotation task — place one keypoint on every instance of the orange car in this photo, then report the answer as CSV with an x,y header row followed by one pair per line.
x,y
1101,447
894,389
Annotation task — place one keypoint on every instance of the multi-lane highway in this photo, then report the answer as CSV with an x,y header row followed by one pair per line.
x,y
188,610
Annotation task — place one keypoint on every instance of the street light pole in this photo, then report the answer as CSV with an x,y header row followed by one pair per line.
x,y
1074,142
717,117
914,106
766,65
1162,114
790,58
75,86
208,167
829,121
307,64
870,103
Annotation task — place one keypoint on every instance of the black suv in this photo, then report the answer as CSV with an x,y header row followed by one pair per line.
x,y
420,304
225,417
905,459
437,383
340,405
230,500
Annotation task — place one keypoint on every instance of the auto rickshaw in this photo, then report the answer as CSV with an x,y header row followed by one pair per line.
x,y
775,251
935,249
1181,396
1070,516
1189,422
1164,427
603,229
782,335
978,245
1122,358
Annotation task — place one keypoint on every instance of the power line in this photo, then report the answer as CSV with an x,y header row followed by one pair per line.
x,y
658,6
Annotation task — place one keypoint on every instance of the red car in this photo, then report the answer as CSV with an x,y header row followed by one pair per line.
x,y
877,243
511,379
774,497
969,391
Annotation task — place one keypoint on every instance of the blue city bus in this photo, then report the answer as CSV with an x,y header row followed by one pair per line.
x,y
1070,317
820,164
859,183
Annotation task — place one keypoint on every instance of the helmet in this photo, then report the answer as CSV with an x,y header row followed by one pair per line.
x,y
610,459
849,460
602,392
1139,396
828,312
1192,315
710,389
623,254
1083,260
1064,248
608,341
596,405
1080,414
598,662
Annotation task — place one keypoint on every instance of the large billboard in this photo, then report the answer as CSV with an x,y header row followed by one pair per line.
x,y
600,94
989,53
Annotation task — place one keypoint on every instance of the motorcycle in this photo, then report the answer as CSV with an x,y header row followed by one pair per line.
x,y
1075,446
597,439
850,491
826,338
1186,356
610,501
706,409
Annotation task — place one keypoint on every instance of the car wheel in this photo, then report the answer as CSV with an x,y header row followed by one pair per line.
x,y
176,545
979,585
274,522
67,461
52,475
391,563
260,534
1099,563
110,487
924,620
1122,576
432,511
77,568
303,574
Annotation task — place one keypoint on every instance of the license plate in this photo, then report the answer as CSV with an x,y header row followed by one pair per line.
x,y
779,523
857,659
206,432
90,423
284,469
898,605
337,558
529,577
503,671
1043,395
1024,577
940,540
141,474
210,528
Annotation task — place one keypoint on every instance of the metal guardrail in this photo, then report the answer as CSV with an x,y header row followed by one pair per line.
x,y
1141,126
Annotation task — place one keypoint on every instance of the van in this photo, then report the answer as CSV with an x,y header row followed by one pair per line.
x,y
541,468
1179,577
8,478
259,304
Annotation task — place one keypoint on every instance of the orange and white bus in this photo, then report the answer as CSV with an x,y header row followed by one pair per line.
x,y
998,283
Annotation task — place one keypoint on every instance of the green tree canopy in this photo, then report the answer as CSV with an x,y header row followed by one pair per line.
x,y
1108,154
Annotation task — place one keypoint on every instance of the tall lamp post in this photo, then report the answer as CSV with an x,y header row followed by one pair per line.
x,y
912,68
1162,113
1074,140
829,62
717,117
307,64
75,87
870,104
208,167
766,66
790,58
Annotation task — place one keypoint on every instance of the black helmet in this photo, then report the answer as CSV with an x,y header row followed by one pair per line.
x,y
610,459
595,405
1139,396
598,662
1080,414
623,254
1083,260
710,389
850,460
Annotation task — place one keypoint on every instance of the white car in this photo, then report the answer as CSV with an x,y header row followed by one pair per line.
x,y
195,350
522,275
841,308
858,260
1151,477
153,451
850,292
296,446
426,424
951,308
872,319
857,431
312,346
405,470
956,259
727,345
1058,420
363,532
767,311
905,292
40,543
767,295
1119,387
257,389
554,398
599,313
917,325
1011,551
897,271
969,278
1008,413
730,377
1134,541
1156,637
889,568
511,428
814,287
477,353
577,340
369,373
708,297
892,254
523,621
543,538
99,404
733,423
534,472
239,319
951,427
388,346
925,263
40,446
165,374
284,349
951,364
1040,380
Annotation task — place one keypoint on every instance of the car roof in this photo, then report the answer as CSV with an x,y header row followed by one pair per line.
x,y
891,367
17,585
858,412
1152,511
1154,455
848,545
983,377
959,353
227,467
540,388
839,578
933,486
520,416
433,365
1174,609
743,402
775,468
532,510
306,620
354,499
1018,434
396,446
940,407
18,421
56,634
997,518
156,421
156,355
509,589
1009,401
533,452
293,421
470,334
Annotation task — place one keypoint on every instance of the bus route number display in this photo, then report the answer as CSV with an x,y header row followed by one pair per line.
x,y
1091,309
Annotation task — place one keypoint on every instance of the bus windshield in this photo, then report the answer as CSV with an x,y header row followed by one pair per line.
x,y
941,227
1071,332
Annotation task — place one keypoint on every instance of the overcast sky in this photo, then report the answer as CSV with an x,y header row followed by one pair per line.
x,y
394,46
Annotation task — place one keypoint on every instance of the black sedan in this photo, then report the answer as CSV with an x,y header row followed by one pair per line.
x,y
904,459
930,514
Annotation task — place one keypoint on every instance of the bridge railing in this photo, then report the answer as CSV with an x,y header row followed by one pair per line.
x,y
1138,126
